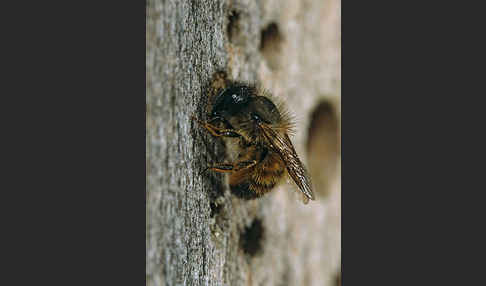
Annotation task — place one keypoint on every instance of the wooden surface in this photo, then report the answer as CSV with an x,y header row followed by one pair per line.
x,y
197,232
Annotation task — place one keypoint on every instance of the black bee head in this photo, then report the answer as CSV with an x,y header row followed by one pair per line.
x,y
231,101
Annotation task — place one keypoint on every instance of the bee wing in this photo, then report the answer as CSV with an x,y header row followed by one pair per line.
x,y
283,146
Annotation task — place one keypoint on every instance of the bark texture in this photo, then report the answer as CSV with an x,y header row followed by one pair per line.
x,y
198,233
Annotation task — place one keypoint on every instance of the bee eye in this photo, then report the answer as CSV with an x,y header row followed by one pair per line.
x,y
256,117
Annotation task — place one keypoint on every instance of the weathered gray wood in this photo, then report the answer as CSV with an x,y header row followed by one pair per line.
x,y
197,232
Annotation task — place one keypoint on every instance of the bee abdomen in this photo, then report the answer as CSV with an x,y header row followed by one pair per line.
x,y
260,182
251,190
243,190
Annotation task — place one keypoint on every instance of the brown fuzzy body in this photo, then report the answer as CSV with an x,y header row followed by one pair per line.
x,y
248,117
256,181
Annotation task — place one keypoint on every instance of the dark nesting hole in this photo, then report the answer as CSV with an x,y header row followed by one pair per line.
x,y
251,238
323,147
215,209
271,45
215,192
233,27
270,37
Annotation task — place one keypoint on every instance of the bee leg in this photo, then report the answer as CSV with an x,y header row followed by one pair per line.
x,y
228,167
212,129
218,132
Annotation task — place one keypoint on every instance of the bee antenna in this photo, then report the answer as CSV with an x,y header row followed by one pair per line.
x,y
204,171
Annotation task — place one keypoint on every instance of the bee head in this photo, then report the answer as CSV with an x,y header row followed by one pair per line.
x,y
244,108
231,101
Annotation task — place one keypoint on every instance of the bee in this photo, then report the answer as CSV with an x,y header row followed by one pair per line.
x,y
258,133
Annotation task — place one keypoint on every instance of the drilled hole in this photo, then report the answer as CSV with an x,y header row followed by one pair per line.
x,y
215,209
233,28
251,238
271,45
323,147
